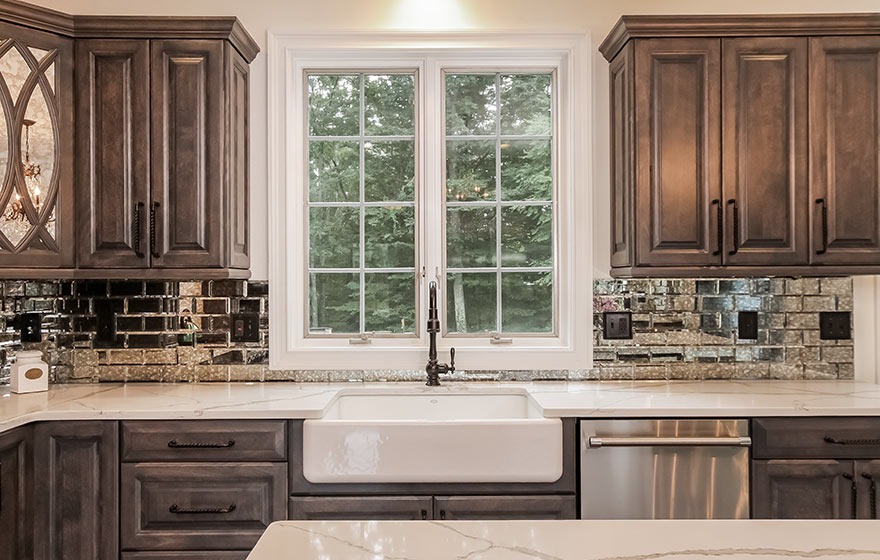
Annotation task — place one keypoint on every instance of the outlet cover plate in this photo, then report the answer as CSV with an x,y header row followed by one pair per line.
x,y
617,325
747,325
835,325
245,327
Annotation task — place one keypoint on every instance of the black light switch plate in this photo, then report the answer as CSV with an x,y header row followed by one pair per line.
x,y
747,325
834,325
617,325
30,325
245,327
105,323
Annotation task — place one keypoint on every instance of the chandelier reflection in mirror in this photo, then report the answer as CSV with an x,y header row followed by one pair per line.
x,y
32,180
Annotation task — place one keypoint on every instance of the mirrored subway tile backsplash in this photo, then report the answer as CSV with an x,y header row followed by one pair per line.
x,y
179,332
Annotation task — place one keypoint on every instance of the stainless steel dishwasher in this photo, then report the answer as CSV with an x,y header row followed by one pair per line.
x,y
664,469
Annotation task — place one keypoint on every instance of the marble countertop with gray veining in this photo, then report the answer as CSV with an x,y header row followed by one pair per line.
x,y
607,399
568,540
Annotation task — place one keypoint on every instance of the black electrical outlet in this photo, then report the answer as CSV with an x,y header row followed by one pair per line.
x,y
30,325
748,325
617,325
834,325
245,327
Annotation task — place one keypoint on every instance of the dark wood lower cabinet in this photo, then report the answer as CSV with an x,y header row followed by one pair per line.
x,y
504,507
191,555
867,474
803,489
360,508
200,506
16,495
76,465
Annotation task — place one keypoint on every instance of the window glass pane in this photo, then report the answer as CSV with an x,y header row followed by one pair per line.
x,y
361,140
526,233
389,171
334,303
470,237
334,237
471,302
525,104
389,302
388,237
334,105
499,214
527,302
470,170
470,104
526,170
334,174
389,106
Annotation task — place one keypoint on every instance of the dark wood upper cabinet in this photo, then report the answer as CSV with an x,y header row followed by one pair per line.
x,y
77,464
186,156
845,144
113,132
764,157
745,145
676,151
36,179
16,494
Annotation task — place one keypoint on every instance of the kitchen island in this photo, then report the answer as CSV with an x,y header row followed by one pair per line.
x,y
568,540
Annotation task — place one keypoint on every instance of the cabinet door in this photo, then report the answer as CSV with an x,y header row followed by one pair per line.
x,y
802,489
845,144
360,508
113,132
868,480
36,124
677,151
765,150
16,498
77,464
622,92
504,507
187,144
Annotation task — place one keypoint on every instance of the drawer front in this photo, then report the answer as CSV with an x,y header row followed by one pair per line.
x,y
192,555
204,440
360,508
200,506
471,508
816,438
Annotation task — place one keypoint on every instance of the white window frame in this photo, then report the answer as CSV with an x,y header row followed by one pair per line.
x,y
290,56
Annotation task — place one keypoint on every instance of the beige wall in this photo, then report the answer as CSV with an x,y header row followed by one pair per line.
x,y
593,16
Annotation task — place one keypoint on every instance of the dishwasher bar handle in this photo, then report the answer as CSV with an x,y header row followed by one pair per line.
x,y
737,441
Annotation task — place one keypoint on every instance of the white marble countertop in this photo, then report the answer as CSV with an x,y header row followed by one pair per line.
x,y
568,540
608,399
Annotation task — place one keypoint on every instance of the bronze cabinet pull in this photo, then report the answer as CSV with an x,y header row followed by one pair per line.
x,y
206,510
735,250
174,444
855,494
153,252
824,248
720,232
137,230
835,441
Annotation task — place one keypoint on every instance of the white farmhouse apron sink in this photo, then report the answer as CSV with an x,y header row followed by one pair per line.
x,y
437,436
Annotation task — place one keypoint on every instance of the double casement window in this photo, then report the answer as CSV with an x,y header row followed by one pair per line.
x,y
395,162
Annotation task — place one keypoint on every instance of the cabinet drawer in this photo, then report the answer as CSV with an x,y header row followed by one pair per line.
x,y
447,508
204,440
360,508
192,555
816,438
200,506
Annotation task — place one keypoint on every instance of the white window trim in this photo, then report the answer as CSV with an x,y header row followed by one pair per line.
x,y
289,55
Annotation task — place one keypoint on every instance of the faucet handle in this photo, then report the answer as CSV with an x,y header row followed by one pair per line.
x,y
451,360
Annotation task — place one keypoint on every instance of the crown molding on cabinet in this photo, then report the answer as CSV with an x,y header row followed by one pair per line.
x,y
130,27
752,25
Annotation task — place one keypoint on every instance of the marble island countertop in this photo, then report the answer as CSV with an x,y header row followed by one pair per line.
x,y
607,399
568,540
